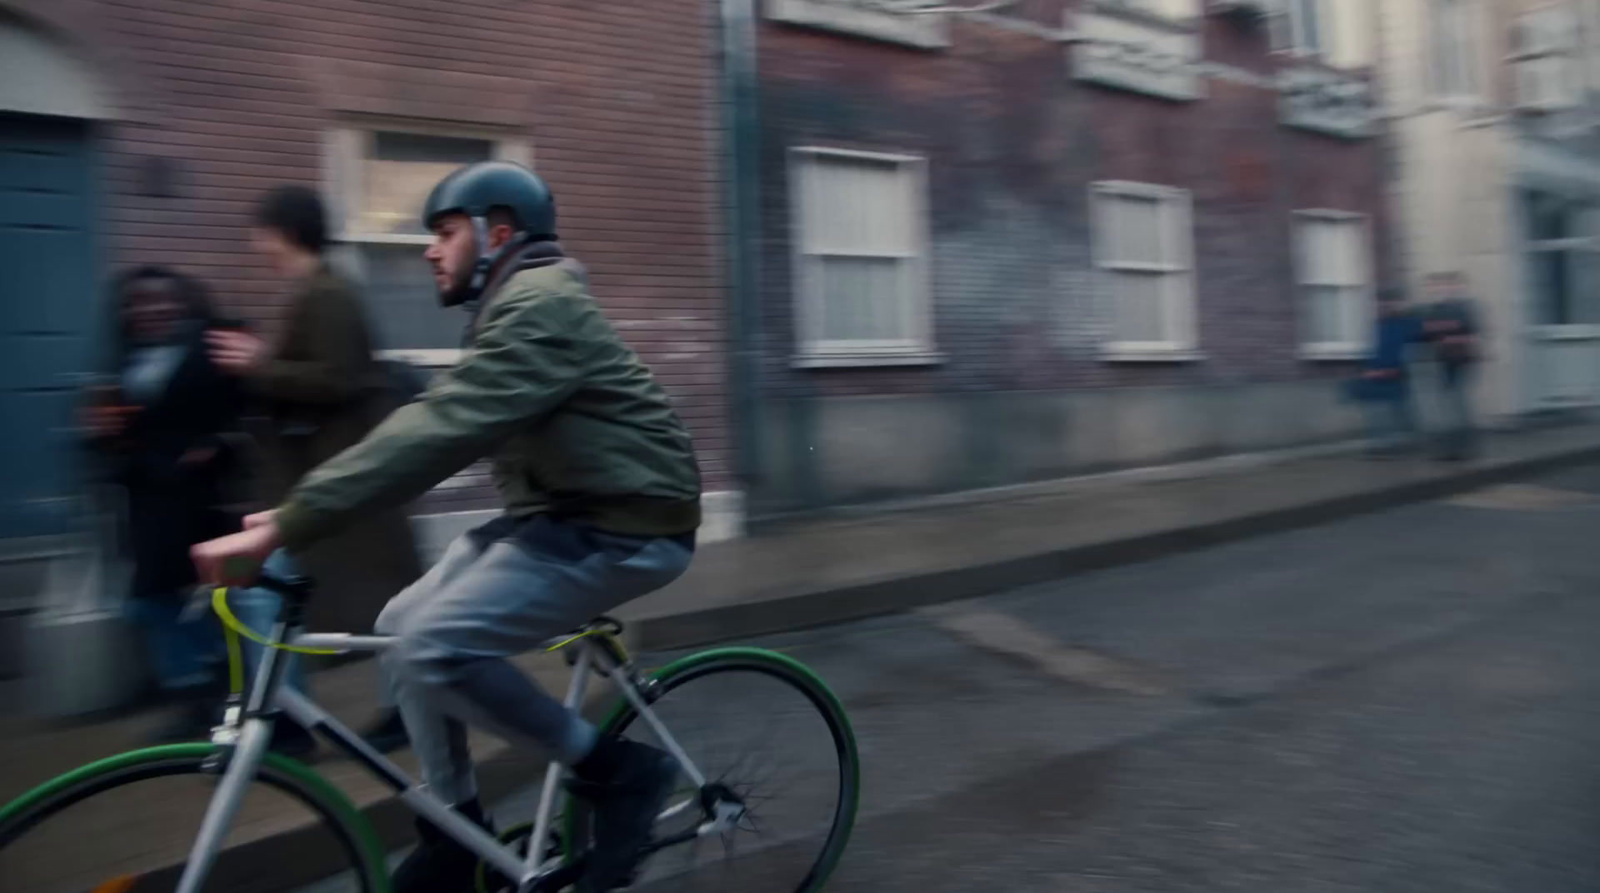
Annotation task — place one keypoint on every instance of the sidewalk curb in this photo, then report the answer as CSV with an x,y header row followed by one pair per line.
x,y
860,601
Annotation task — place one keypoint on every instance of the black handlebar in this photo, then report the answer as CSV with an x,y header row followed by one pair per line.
x,y
293,588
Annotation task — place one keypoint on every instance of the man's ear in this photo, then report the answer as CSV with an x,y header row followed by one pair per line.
x,y
499,235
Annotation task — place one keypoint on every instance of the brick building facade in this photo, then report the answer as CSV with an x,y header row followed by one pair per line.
x,y
191,108
1033,148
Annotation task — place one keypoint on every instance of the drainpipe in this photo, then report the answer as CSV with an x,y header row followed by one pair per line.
x,y
741,153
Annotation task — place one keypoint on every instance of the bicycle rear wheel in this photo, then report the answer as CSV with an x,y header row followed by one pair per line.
x,y
125,825
773,742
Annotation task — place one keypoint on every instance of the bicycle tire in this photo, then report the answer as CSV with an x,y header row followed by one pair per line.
x,y
293,779
784,669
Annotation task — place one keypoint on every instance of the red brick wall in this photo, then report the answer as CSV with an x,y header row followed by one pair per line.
x,y
617,100
1012,143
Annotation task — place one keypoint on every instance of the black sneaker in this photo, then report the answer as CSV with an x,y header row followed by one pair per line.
x,y
388,733
626,784
439,864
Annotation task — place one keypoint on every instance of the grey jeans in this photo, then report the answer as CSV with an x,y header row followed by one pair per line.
x,y
500,591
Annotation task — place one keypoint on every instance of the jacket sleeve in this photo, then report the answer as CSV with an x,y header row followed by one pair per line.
x,y
332,336
522,364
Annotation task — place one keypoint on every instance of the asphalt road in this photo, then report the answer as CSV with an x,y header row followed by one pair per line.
x,y
1406,701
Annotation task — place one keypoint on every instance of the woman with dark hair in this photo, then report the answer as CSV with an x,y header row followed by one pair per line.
x,y
323,389
161,425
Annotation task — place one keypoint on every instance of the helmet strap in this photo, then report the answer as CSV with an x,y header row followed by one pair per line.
x,y
487,258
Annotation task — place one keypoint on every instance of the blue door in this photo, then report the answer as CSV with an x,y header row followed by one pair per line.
x,y
47,312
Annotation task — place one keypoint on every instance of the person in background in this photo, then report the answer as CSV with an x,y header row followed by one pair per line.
x,y
1386,381
161,427
323,390
1451,328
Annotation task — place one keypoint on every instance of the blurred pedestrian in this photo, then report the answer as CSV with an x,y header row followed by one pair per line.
x,y
161,425
323,390
1451,328
1385,383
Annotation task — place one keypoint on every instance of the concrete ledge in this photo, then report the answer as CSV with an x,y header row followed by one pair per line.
x,y
826,605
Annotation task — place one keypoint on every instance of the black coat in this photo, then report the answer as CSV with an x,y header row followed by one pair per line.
x,y
174,502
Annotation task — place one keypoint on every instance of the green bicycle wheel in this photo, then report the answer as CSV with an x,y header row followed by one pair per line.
x,y
124,825
772,740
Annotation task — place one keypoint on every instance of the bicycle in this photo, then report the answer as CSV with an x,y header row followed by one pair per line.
x,y
534,857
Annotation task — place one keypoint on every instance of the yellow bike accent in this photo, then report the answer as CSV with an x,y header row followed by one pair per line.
x,y
233,628
583,635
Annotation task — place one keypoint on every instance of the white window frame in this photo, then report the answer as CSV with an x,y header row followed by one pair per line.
x,y
1180,311
1289,31
1467,41
1557,331
1289,27
347,146
1563,58
813,351
926,31
1194,9
1364,318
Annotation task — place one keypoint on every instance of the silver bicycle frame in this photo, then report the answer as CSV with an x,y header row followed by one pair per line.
x,y
247,739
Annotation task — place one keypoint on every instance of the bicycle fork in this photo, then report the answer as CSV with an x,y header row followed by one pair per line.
x,y
224,807
242,757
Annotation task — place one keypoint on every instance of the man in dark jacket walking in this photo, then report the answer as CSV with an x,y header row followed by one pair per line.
x,y
323,390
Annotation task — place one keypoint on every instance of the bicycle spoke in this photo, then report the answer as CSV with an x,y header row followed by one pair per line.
x,y
760,740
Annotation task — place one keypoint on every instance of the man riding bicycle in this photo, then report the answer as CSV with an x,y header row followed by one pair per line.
x,y
602,498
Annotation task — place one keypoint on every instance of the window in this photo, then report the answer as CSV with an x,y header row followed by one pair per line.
x,y
860,241
1456,51
378,181
1337,32
1297,26
1563,263
1144,250
1544,60
1334,276
1166,9
872,19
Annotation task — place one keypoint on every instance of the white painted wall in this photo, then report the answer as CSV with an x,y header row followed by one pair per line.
x,y
1452,193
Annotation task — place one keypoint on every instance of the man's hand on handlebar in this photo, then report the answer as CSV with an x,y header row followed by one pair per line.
x,y
236,559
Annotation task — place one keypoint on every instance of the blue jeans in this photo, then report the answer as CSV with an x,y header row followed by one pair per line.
x,y
185,648
495,596
258,608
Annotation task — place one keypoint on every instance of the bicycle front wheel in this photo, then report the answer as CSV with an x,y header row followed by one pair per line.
x,y
125,825
775,745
